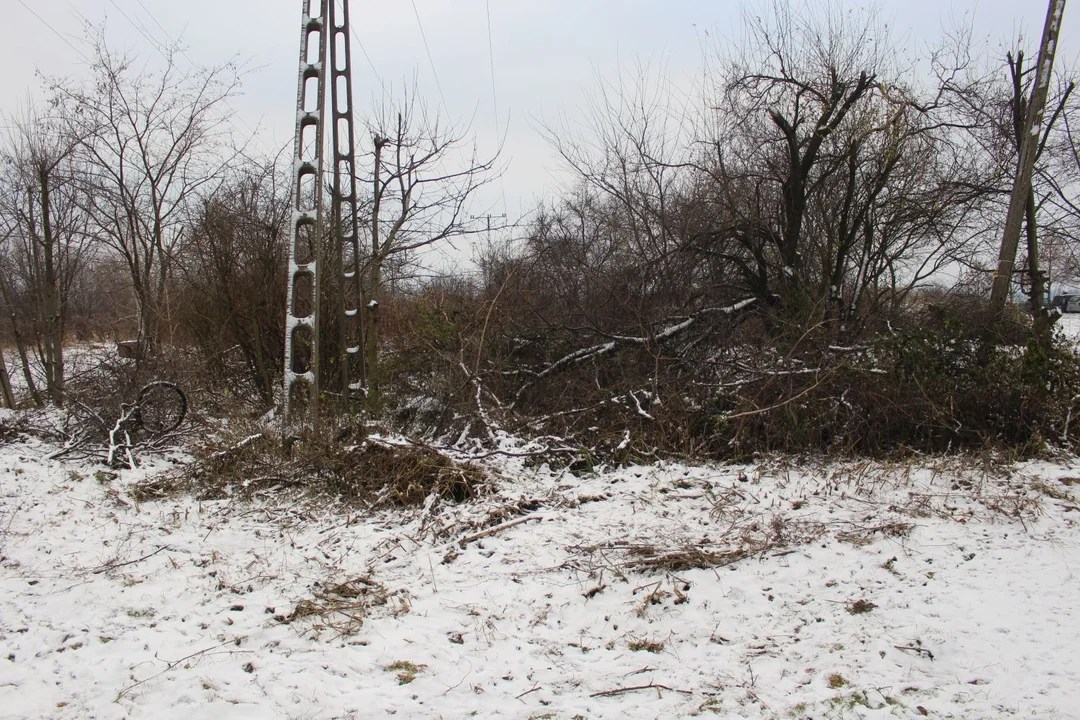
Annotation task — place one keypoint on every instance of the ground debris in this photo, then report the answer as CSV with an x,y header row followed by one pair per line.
x,y
374,472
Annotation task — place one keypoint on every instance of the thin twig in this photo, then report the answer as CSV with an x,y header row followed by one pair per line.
x,y
498,528
650,686
170,665
921,651
107,567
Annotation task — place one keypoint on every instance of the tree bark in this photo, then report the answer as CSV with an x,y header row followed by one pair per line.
x,y
374,295
20,346
54,341
5,384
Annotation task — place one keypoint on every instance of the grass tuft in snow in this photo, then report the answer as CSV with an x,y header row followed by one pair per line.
x,y
341,608
861,606
406,671
646,645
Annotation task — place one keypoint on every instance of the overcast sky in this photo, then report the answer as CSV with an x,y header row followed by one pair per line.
x,y
546,54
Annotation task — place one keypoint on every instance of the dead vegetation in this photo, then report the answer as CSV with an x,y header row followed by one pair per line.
x,y
860,607
929,379
645,645
405,669
341,608
369,471
753,537
781,507
14,426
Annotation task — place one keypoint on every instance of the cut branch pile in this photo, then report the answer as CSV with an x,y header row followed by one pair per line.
x,y
374,473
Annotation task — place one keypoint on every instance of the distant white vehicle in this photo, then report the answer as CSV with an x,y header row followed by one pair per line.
x,y
1066,303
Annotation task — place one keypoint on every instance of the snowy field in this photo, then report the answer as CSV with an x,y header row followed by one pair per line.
x,y
860,590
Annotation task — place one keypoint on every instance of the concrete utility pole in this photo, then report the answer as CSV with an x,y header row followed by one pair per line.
x,y
489,219
324,46
1029,145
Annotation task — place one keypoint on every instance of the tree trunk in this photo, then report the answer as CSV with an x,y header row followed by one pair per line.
x,y
371,331
20,346
53,330
1043,321
147,329
5,384
374,294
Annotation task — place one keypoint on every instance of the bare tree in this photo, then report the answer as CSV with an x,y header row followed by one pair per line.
x,y
1054,187
41,207
833,171
10,310
821,179
1028,131
991,109
234,272
422,175
620,228
147,142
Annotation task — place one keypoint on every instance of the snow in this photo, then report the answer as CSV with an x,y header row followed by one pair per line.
x,y
1069,326
78,361
574,604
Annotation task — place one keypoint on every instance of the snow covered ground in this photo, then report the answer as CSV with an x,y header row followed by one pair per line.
x,y
854,590
1069,324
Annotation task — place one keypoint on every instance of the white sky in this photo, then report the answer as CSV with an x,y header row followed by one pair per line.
x,y
546,54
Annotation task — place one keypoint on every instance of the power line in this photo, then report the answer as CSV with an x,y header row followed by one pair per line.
x,y
160,47
494,103
491,64
55,32
141,29
147,10
367,57
431,61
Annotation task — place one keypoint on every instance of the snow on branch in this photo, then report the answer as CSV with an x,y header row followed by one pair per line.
x,y
673,330
583,354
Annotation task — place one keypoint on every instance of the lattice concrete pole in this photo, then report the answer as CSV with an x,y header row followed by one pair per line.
x,y
302,320
344,201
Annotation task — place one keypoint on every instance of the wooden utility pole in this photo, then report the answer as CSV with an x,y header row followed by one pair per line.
x,y
1029,145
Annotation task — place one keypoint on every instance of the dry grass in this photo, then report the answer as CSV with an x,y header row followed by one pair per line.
x,y
645,645
1050,491
649,557
860,536
756,538
341,607
406,671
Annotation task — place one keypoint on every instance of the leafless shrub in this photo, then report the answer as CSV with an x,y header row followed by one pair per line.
x,y
40,424
231,304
